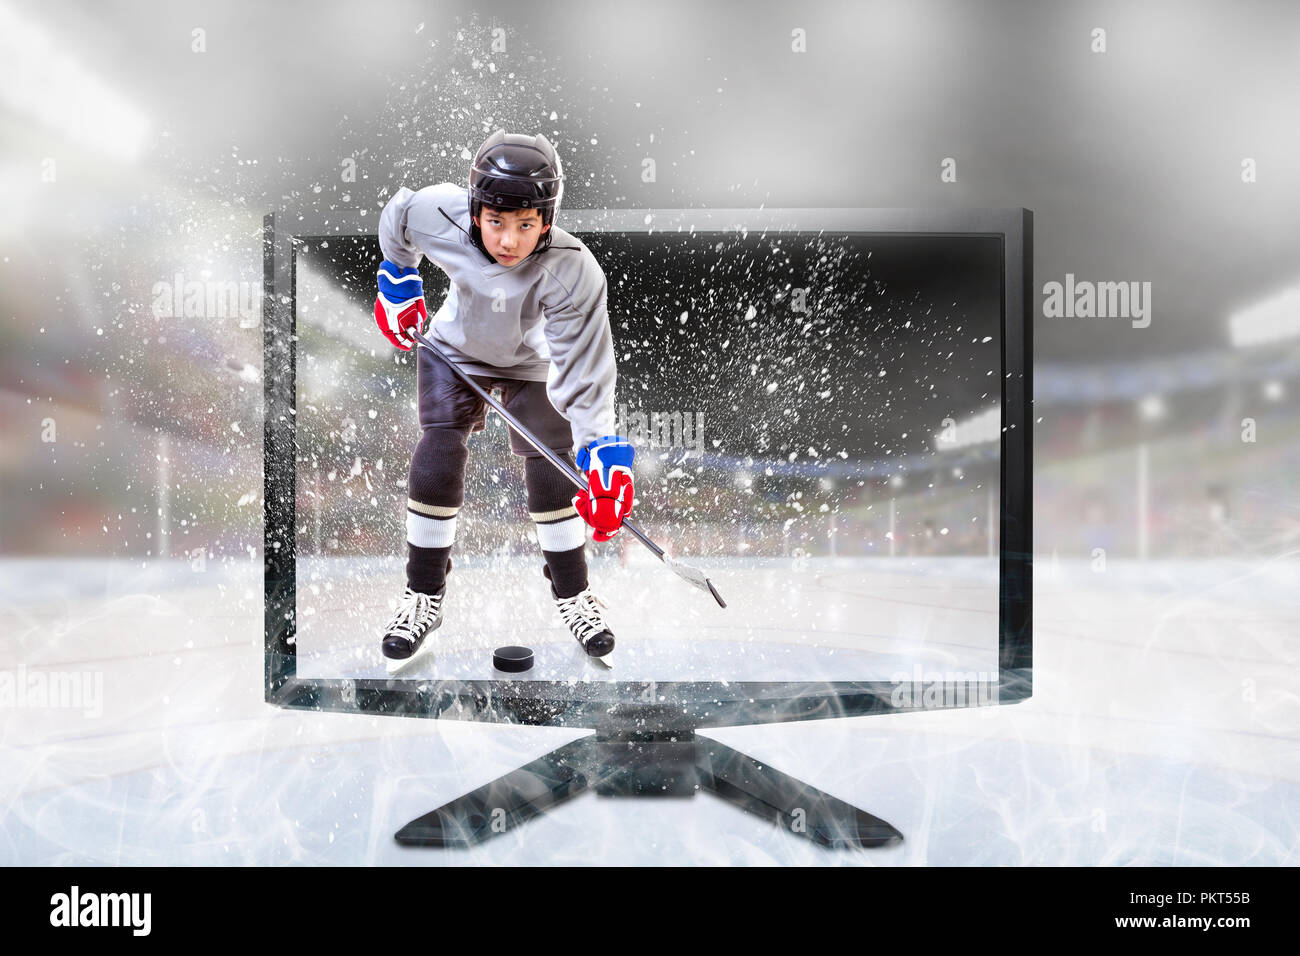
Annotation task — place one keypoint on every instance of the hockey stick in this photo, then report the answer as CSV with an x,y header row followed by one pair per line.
x,y
684,571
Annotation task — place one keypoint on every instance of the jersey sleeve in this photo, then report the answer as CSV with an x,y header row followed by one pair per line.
x,y
583,373
393,241
410,219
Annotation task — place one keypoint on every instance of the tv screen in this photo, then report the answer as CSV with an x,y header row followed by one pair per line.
x,y
820,416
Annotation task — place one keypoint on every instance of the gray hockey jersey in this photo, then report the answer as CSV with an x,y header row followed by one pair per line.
x,y
543,319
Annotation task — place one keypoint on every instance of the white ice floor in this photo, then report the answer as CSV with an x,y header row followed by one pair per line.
x,y
815,619
1164,730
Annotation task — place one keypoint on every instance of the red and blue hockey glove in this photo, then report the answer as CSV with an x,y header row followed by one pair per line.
x,y
607,499
400,305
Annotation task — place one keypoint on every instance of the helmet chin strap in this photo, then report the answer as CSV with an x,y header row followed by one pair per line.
x,y
475,233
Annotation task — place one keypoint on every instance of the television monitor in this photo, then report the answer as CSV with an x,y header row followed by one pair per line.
x,y
831,410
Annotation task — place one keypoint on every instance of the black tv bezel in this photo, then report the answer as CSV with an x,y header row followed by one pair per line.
x,y
651,705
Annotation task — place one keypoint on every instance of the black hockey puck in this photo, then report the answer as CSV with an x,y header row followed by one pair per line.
x,y
512,659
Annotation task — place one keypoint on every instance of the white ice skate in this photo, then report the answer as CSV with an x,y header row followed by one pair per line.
x,y
418,615
581,614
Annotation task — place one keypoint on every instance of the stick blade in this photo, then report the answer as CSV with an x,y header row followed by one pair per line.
x,y
695,576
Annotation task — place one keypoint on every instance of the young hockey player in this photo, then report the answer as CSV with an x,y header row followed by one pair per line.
x,y
525,313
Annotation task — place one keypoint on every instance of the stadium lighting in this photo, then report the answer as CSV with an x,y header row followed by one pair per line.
x,y
40,80
1272,320
1152,408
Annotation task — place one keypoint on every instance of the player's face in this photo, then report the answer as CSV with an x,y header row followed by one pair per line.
x,y
511,235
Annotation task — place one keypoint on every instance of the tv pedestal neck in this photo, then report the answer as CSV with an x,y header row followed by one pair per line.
x,y
629,763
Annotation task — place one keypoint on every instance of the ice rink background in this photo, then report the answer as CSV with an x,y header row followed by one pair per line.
x,y
1162,731
1165,721
787,396
792,619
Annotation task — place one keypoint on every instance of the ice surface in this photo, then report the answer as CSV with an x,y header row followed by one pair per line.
x,y
818,619
1163,729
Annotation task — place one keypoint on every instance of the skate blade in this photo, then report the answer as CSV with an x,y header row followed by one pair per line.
x,y
397,666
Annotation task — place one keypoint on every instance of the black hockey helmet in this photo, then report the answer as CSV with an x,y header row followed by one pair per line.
x,y
517,171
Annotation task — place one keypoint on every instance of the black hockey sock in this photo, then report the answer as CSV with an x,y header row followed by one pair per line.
x,y
567,571
437,490
560,531
426,568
